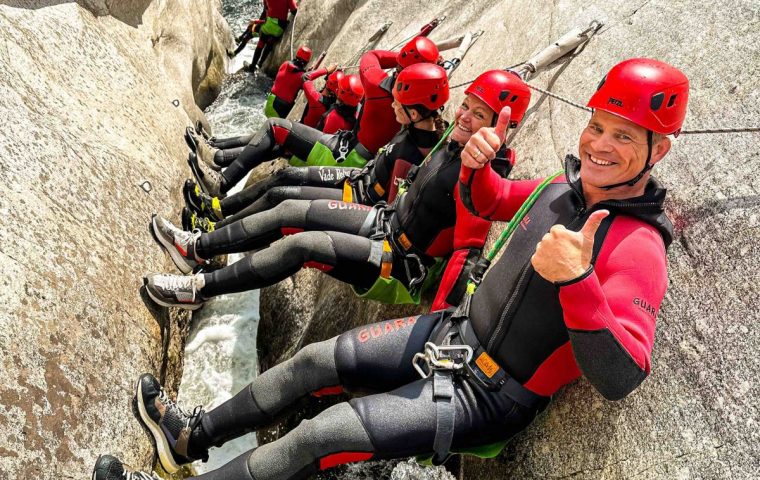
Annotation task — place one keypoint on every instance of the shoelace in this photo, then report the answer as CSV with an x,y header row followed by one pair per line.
x,y
192,418
179,282
140,476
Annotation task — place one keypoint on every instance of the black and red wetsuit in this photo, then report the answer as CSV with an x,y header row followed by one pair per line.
x,y
287,84
338,117
377,121
544,335
316,103
279,9
376,182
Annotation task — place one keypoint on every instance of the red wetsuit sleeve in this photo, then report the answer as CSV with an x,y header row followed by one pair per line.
x,y
611,313
377,124
315,74
488,195
372,67
311,93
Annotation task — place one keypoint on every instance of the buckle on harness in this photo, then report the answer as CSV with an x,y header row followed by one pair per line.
x,y
443,357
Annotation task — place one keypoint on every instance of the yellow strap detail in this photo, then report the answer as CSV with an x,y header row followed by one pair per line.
x,y
348,192
378,189
386,266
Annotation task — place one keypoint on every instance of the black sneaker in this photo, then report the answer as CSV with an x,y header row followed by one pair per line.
x,y
168,424
179,244
201,202
192,221
175,290
209,179
108,467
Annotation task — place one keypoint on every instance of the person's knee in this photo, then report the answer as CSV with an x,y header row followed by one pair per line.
x,y
316,359
310,246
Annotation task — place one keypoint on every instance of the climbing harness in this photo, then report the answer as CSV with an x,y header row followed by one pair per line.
x,y
469,360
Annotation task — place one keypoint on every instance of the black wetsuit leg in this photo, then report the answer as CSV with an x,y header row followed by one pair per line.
x,y
395,424
275,137
231,142
270,194
243,41
277,195
331,242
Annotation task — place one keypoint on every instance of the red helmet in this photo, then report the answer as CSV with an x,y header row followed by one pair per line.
x,y
303,53
333,80
418,50
350,90
422,84
649,93
502,88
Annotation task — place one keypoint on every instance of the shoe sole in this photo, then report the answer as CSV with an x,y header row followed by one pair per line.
x,y
188,200
163,303
192,145
174,254
192,160
163,450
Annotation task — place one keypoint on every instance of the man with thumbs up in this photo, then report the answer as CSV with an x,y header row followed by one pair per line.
x,y
578,287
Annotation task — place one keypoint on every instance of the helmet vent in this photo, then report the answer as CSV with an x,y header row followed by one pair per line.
x,y
514,98
504,95
656,101
434,97
672,100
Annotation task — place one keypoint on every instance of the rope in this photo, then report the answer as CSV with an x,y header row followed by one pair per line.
x,y
558,97
721,130
295,17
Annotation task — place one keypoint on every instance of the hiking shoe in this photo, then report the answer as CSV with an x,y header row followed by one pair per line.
x,y
178,243
108,467
192,221
210,180
201,202
169,425
175,290
198,143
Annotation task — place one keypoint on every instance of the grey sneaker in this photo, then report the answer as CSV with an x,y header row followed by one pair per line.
x,y
206,153
108,467
169,425
175,290
209,179
179,244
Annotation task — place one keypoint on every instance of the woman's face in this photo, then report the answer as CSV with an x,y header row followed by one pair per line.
x,y
401,116
472,115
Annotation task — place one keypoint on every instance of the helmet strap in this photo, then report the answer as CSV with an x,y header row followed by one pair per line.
x,y
409,114
647,166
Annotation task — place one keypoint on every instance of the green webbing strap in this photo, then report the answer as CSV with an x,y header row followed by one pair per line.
x,y
475,278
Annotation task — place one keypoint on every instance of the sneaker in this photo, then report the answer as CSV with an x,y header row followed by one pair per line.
x,y
209,179
201,202
175,290
179,244
108,467
192,221
169,425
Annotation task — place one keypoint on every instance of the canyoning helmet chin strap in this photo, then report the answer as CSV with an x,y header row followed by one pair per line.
x,y
421,85
303,54
350,90
499,89
649,93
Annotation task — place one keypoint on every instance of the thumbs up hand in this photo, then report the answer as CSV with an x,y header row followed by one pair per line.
x,y
562,254
482,146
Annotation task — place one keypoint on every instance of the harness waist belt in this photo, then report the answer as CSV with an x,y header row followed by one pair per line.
x,y
485,371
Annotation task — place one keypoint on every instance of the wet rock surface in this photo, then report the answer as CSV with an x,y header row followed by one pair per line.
x,y
91,103
696,416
